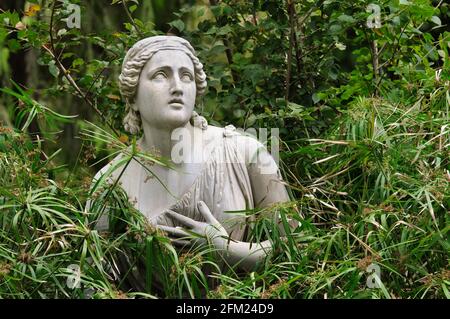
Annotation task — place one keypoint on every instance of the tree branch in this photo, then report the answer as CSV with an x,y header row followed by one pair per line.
x,y
131,18
69,78
228,51
290,9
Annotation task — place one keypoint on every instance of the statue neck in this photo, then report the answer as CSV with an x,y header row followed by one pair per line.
x,y
157,139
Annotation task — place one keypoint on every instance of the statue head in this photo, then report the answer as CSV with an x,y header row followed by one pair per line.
x,y
160,80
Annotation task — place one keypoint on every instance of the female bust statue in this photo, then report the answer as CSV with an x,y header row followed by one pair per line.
x,y
160,80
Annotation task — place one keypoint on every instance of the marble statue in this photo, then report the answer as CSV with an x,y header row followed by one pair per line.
x,y
160,81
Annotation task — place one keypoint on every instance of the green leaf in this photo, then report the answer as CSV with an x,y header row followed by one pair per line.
x,y
53,69
178,24
445,289
200,12
346,18
315,98
216,10
225,30
14,45
133,8
436,20
77,62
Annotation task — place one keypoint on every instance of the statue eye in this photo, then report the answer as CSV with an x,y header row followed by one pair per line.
x,y
160,75
187,77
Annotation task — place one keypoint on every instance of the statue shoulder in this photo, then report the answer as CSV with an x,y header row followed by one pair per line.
x,y
251,151
257,156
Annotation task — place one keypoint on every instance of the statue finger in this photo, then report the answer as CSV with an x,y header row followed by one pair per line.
x,y
181,218
181,242
179,232
206,212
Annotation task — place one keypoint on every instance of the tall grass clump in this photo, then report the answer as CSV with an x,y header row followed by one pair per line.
x,y
372,193
50,246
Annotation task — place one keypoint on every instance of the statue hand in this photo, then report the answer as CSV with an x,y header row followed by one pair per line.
x,y
196,232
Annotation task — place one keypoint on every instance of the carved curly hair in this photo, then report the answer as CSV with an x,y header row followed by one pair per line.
x,y
136,58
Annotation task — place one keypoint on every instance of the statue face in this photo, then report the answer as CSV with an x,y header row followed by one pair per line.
x,y
166,91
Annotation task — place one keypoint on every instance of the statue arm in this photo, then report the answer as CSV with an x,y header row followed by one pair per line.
x,y
267,185
268,189
245,255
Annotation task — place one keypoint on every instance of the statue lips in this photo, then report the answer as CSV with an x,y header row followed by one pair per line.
x,y
176,103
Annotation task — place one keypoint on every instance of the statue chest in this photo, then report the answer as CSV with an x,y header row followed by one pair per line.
x,y
154,189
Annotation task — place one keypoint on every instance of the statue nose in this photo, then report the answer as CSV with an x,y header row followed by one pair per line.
x,y
176,87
